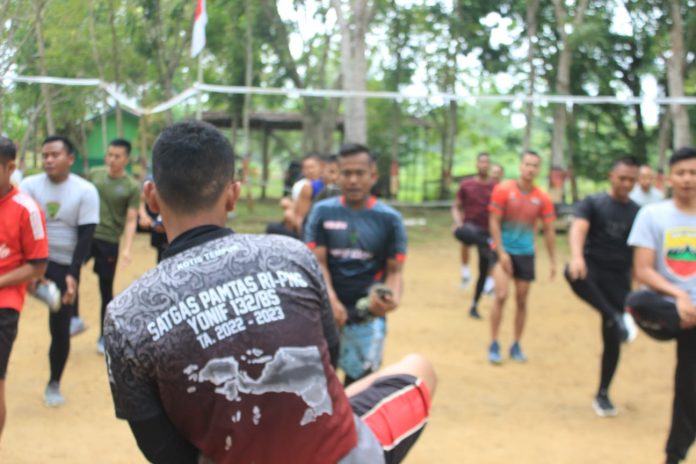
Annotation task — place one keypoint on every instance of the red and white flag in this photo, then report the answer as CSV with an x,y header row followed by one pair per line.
x,y
199,21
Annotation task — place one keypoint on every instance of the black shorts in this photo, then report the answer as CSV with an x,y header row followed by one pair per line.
x,y
105,256
523,267
9,319
396,409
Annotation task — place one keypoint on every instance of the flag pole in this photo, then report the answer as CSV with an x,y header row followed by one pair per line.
x,y
199,96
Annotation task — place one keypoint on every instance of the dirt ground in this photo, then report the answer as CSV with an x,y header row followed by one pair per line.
x,y
534,413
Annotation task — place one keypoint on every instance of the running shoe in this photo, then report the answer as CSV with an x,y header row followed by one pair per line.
x,y
49,293
100,345
603,407
466,277
489,286
621,324
76,326
494,353
631,328
52,396
473,313
516,353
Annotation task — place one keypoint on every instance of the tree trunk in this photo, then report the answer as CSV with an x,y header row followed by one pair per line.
x,y
675,78
395,145
45,89
532,26
117,65
663,138
83,146
562,87
143,146
572,129
448,149
264,163
249,62
353,26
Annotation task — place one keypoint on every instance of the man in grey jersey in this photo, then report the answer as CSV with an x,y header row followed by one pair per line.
x,y
71,205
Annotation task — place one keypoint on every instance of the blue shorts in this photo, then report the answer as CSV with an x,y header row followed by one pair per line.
x,y
362,347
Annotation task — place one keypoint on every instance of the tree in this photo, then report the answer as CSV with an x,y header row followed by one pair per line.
x,y
562,86
532,23
353,18
675,76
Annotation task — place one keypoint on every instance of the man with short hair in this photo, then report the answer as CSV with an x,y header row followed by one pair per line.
x,y
470,217
600,266
663,238
72,213
222,352
329,177
360,243
515,207
644,192
496,173
119,198
23,256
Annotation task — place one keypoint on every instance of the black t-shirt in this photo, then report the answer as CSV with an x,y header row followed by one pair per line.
x,y
227,337
610,223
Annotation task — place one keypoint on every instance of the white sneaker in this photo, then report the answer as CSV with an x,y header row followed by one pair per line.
x,y
48,293
52,396
631,327
76,326
489,286
466,277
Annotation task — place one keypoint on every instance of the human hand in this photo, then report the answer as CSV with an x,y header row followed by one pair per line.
x,y
126,257
505,262
686,310
577,269
339,312
70,290
145,221
381,300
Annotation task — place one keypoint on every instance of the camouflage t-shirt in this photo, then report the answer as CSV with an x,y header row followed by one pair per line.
x,y
225,337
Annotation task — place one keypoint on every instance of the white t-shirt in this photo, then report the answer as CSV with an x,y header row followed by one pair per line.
x,y
16,177
297,189
642,198
672,234
74,202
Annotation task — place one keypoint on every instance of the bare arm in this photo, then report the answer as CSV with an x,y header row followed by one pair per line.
x,y
457,211
144,219
129,234
644,265
380,306
302,206
550,239
340,313
495,228
577,236
24,273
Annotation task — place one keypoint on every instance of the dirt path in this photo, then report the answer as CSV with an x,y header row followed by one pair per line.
x,y
534,413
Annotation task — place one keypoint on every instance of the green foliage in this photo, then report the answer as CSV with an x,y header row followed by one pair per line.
x,y
143,46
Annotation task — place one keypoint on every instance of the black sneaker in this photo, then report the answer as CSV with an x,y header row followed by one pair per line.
x,y
603,407
473,313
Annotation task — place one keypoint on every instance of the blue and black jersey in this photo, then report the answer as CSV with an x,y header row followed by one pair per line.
x,y
358,242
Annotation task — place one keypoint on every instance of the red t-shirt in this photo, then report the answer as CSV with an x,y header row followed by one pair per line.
x,y
22,239
474,198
